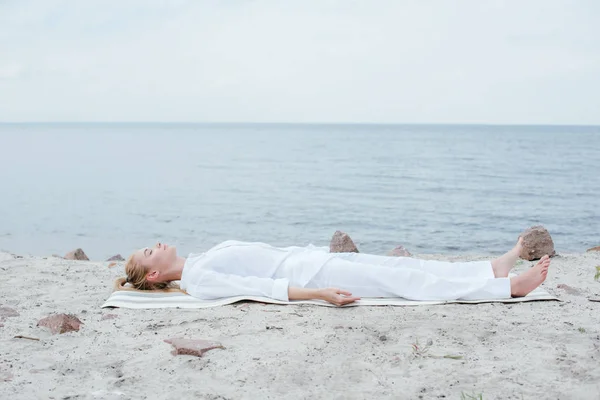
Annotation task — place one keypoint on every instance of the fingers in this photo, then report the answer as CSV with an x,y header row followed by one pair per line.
x,y
351,300
346,300
341,297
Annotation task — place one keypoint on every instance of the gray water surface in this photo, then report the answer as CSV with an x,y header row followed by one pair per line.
x,y
112,188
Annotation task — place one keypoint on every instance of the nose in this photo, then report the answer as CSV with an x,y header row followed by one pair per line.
x,y
158,245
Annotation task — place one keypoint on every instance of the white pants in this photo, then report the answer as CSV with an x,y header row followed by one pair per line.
x,y
367,275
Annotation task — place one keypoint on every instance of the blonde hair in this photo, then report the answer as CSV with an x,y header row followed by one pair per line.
x,y
136,277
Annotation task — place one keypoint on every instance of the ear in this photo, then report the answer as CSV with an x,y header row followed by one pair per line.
x,y
152,276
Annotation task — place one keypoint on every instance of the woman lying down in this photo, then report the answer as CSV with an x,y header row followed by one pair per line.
x,y
235,268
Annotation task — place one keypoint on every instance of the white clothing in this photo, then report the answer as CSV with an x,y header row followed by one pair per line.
x,y
235,268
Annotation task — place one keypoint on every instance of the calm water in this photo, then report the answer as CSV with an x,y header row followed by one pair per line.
x,y
435,189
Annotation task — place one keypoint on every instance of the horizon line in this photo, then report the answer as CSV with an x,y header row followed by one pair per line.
x,y
295,123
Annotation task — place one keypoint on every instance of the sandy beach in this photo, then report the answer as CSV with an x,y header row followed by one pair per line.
x,y
536,350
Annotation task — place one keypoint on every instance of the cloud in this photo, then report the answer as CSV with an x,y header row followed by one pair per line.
x,y
310,61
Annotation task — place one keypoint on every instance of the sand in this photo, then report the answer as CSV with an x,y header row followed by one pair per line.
x,y
537,350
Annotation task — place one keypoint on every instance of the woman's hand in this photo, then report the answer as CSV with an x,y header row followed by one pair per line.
x,y
337,296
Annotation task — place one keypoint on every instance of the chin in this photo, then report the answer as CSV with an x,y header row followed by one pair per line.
x,y
173,250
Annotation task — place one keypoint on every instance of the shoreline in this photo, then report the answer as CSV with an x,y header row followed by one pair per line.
x,y
453,254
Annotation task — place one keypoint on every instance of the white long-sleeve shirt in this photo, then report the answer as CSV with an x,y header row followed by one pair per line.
x,y
235,268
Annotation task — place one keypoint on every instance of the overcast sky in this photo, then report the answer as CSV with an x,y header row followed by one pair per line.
x,y
301,61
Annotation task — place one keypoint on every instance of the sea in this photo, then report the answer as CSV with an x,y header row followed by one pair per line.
x,y
435,189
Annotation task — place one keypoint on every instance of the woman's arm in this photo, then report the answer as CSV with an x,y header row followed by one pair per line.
x,y
295,293
214,285
332,295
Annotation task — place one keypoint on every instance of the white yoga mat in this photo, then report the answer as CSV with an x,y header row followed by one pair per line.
x,y
145,299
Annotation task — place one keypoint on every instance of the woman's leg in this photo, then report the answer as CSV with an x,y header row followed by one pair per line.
x,y
505,263
442,269
523,284
369,280
499,267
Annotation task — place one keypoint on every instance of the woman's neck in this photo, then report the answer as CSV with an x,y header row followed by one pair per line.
x,y
174,273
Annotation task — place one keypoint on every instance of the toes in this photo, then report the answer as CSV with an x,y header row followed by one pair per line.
x,y
544,260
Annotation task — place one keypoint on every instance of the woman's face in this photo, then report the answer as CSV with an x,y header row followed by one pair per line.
x,y
158,258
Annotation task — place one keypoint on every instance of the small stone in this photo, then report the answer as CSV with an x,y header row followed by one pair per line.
x,y
5,376
118,257
597,248
60,323
6,312
399,251
108,316
112,264
192,347
569,289
537,242
76,254
342,243
57,256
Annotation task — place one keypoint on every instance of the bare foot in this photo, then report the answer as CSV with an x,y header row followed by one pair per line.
x,y
505,263
523,284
